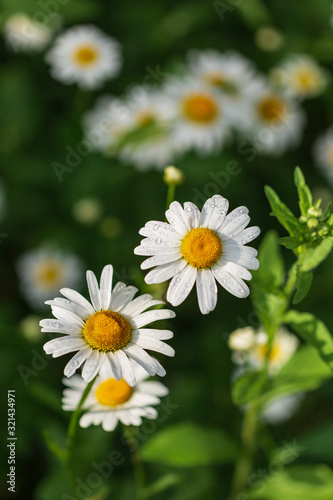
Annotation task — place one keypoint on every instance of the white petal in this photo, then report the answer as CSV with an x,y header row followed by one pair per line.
x,y
154,388
232,268
94,290
68,316
89,418
156,242
244,256
156,229
92,365
78,299
121,296
141,357
140,304
181,285
106,286
235,226
149,316
157,334
162,250
55,326
206,291
152,344
158,260
192,215
164,272
114,363
175,216
124,417
109,422
63,345
76,361
70,306
126,369
213,212
247,235
235,286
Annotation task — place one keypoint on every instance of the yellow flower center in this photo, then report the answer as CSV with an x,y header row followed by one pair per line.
x,y
112,392
306,80
200,108
273,355
85,55
201,247
272,109
107,331
49,274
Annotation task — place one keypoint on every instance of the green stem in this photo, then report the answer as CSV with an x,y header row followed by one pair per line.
x,y
139,473
170,195
72,431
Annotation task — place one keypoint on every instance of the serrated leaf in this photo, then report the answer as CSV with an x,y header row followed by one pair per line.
x,y
271,271
313,331
304,193
315,256
284,214
305,371
189,445
248,387
303,284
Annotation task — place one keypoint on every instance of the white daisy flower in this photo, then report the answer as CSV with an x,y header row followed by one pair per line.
x,y
111,329
43,271
23,34
323,154
201,115
200,247
283,347
110,400
149,141
277,122
84,55
301,76
231,74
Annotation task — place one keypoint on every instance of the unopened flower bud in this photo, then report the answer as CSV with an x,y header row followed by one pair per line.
x,y
173,176
315,212
312,223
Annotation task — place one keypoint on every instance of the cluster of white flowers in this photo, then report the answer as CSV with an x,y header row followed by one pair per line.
x,y
219,97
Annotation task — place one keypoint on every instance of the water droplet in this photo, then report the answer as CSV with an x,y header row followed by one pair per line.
x,y
188,209
241,290
187,285
177,280
171,220
49,323
155,227
224,281
239,273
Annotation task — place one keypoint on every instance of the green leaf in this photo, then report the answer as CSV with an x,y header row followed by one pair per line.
x,y
248,387
318,443
271,271
54,447
255,13
313,331
305,371
298,482
303,284
290,242
189,445
304,193
162,484
282,212
268,306
314,256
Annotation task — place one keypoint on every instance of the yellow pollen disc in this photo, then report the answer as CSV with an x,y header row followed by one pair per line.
x,y
112,392
49,274
201,247
272,109
85,55
306,80
107,331
274,354
200,108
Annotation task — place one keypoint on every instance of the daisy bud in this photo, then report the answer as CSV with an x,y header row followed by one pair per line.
x,y
173,176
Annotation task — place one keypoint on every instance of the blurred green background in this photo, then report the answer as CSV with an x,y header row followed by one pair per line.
x,y
39,118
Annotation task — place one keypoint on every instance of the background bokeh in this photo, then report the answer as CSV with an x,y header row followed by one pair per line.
x,y
39,118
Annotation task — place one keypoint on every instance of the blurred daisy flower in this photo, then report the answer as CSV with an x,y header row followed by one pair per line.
x,y
200,248
84,55
111,400
201,116
24,34
111,329
277,122
43,271
323,154
251,348
300,76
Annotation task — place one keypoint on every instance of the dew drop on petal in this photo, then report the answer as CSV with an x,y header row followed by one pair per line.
x,y
158,241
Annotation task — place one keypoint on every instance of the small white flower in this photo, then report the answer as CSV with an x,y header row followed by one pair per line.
x,y
323,154
281,409
283,347
110,401
43,271
276,123
242,339
201,115
111,329
202,248
23,34
84,55
301,76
